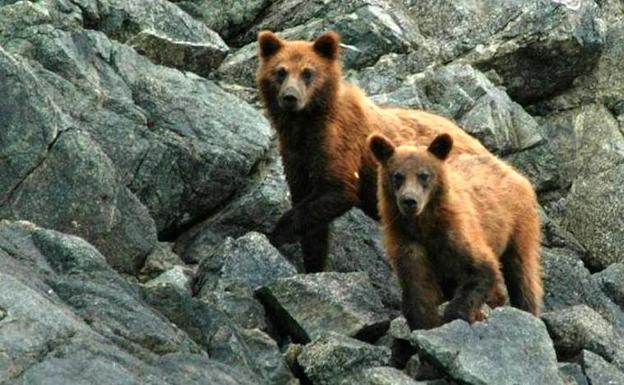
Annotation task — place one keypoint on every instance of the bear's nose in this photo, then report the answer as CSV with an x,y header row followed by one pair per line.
x,y
409,203
290,99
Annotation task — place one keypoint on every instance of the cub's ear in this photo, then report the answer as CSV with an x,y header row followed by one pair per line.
x,y
268,44
328,45
381,147
441,146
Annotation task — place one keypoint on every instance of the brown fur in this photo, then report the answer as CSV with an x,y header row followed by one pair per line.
x,y
474,216
323,143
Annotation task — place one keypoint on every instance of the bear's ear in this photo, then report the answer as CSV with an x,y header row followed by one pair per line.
x,y
381,147
441,146
268,43
328,45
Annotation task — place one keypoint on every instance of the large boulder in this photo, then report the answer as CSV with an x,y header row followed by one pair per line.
x,y
332,356
580,327
306,306
611,281
368,32
567,283
67,317
180,143
55,174
493,352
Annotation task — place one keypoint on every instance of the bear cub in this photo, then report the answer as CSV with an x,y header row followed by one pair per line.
x,y
458,229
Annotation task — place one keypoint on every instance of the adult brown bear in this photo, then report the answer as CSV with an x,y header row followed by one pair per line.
x,y
322,123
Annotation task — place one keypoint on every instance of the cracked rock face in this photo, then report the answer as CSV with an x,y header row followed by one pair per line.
x,y
138,176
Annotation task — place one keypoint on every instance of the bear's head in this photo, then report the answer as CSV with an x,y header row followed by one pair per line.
x,y
411,176
294,76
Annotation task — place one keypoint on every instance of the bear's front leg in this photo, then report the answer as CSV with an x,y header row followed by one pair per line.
x,y
421,293
474,289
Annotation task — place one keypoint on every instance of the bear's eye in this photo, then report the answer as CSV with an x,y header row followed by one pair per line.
x,y
307,74
397,179
281,73
423,177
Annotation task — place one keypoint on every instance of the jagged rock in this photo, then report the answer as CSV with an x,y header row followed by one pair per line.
x,y
248,350
590,147
178,276
257,209
493,352
227,17
161,259
332,356
599,371
244,264
567,283
611,281
572,374
242,308
539,49
57,176
367,33
69,318
462,93
382,375
179,142
305,306
163,32
580,327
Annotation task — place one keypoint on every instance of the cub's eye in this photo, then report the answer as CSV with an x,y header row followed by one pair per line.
x,y
397,179
423,177
281,73
307,74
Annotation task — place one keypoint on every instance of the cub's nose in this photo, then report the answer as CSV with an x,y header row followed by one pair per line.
x,y
409,204
290,100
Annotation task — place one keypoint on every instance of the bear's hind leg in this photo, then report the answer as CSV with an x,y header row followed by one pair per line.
x,y
522,268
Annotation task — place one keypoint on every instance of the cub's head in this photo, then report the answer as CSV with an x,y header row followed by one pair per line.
x,y
411,176
298,75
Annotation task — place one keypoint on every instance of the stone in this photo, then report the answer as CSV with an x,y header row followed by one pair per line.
x,y
164,33
572,374
332,356
611,281
493,352
307,305
599,371
567,283
580,327
382,375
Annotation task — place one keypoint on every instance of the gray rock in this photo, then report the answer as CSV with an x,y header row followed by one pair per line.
x,y
566,37
251,352
163,32
161,259
227,17
567,283
305,306
590,147
367,33
332,356
599,371
572,374
611,281
241,308
178,276
244,264
356,245
382,375
258,208
462,93
580,327
61,178
69,318
493,352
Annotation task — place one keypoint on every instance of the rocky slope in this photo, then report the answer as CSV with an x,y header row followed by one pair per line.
x,y
138,175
